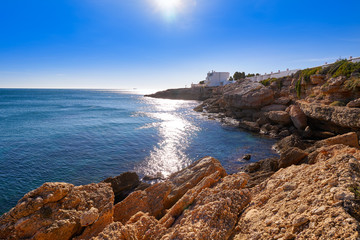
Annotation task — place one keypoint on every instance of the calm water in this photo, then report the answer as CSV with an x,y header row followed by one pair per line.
x,y
84,136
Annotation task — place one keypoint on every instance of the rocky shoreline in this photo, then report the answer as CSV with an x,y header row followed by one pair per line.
x,y
312,191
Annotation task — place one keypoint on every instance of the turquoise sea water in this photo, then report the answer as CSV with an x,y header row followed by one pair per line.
x,y
84,136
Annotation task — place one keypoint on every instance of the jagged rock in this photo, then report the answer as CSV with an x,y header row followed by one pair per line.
x,y
248,125
288,142
208,211
60,211
260,171
338,81
161,196
245,94
274,107
298,117
199,108
280,117
184,93
317,79
354,104
341,116
291,156
349,139
123,184
307,202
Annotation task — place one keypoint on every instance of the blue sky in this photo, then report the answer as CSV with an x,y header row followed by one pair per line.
x,y
152,44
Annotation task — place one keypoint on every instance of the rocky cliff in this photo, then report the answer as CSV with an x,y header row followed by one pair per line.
x,y
314,103
312,192
198,93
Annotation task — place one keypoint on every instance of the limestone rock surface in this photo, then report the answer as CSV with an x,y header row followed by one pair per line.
x,y
161,196
210,210
60,211
341,116
246,94
317,201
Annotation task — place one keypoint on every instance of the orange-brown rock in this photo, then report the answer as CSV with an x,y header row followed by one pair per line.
x,y
208,211
298,117
317,201
349,139
60,211
161,196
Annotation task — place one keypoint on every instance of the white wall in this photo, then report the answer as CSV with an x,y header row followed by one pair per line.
x,y
273,75
215,79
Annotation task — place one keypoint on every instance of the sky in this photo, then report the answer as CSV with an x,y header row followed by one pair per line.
x,y
160,44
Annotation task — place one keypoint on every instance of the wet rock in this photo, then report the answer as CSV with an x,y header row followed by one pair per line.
x,y
247,157
199,108
123,184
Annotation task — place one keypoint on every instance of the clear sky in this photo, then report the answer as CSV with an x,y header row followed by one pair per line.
x,y
167,43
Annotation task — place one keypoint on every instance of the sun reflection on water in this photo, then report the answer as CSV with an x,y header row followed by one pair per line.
x,y
168,156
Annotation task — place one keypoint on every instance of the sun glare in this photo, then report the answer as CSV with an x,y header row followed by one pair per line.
x,y
169,8
168,5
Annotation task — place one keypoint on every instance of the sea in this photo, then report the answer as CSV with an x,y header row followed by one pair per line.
x,y
85,136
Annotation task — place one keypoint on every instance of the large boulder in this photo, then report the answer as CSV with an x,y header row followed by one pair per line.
x,y
60,211
298,117
280,117
341,116
156,199
246,94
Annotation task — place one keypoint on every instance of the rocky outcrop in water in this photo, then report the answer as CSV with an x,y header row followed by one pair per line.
x,y
199,93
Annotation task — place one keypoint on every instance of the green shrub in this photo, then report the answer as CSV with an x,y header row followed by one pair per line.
x,y
352,83
306,73
337,103
298,88
341,68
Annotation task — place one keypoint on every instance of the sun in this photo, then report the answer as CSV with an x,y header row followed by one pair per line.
x,y
169,8
168,5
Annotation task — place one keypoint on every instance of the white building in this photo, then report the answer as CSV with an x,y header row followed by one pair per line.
x,y
278,74
215,79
